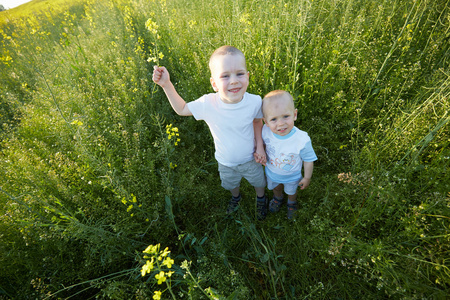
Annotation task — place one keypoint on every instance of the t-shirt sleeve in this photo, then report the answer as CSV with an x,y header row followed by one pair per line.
x,y
259,114
197,108
307,153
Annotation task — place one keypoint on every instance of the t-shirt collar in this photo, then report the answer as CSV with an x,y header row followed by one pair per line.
x,y
238,103
284,137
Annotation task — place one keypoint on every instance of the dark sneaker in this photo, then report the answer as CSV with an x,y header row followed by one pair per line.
x,y
292,208
275,204
233,205
261,208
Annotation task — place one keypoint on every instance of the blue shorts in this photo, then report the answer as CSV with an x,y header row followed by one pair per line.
x,y
252,171
289,188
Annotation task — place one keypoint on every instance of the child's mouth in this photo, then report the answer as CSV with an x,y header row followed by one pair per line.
x,y
235,90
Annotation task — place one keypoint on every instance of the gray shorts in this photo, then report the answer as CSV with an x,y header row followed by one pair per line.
x,y
289,188
252,171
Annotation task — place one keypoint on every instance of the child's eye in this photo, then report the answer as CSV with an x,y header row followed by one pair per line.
x,y
286,116
273,120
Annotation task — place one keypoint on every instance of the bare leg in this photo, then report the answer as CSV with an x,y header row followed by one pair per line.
x,y
292,198
292,206
235,192
278,191
260,191
261,203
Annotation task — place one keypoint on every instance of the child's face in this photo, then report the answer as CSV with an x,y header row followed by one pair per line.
x,y
279,115
229,77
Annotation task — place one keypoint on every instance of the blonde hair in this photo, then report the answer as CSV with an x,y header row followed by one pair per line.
x,y
225,50
277,95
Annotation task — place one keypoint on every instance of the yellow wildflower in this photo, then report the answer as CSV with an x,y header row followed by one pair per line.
x,y
148,267
152,249
160,277
165,252
168,262
192,23
151,26
157,295
77,122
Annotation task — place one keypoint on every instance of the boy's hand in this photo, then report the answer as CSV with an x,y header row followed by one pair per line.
x,y
304,183
160,76
260,157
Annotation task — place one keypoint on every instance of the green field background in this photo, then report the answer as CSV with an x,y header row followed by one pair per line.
x,y
95,167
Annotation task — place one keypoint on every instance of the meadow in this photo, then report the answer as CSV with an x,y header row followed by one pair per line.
x,y
106,193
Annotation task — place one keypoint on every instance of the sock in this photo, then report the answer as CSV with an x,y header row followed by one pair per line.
x,y
291,202
278,199
238,198
262,199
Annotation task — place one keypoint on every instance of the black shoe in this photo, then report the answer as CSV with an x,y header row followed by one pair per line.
x,y
233,205
261,208
292,208
275,204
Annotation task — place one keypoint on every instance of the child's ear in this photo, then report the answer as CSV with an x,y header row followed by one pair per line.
x,y
213,84
295,114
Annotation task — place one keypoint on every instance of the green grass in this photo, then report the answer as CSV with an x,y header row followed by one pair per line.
x,y
89,177
28,9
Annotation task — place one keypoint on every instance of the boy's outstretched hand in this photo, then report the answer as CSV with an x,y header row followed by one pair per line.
x,y
160,76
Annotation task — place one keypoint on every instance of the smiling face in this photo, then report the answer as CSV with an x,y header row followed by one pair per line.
x,y
279,112
229,77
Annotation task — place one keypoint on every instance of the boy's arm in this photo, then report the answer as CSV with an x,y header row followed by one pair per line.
x,y
308,167
260,154
161,77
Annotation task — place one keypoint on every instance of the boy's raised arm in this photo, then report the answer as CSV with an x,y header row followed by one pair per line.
x,y
161,77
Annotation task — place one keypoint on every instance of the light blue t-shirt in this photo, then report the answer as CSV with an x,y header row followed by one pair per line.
x,y
286,154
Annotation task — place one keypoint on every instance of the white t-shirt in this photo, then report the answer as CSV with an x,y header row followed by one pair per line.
x,y
285,154
231,126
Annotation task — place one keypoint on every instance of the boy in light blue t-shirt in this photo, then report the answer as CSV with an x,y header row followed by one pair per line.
x,y
288,149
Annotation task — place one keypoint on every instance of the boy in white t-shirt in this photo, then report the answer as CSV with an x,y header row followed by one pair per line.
x,y
234,118
287,149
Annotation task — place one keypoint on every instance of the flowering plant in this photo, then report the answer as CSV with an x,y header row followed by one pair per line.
x,y
159,264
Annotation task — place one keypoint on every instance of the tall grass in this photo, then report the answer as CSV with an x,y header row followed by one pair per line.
x,y
92,171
